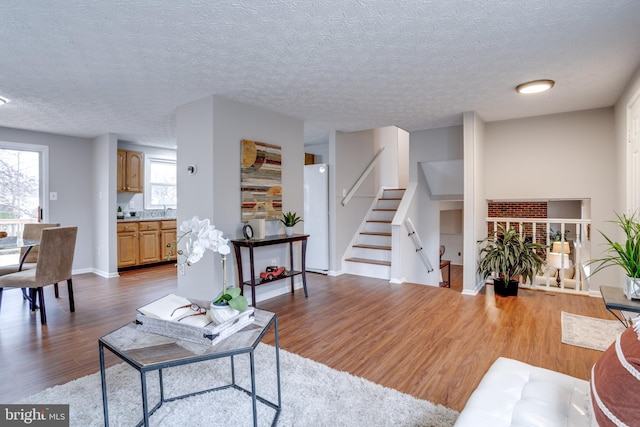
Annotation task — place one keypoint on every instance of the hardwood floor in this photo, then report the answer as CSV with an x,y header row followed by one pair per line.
x,y
430,342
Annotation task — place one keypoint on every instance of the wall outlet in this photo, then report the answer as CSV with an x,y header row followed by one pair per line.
x,y
132,205
274,262
181,269
344,192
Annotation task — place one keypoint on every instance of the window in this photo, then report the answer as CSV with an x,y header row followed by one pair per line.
x,y
160,183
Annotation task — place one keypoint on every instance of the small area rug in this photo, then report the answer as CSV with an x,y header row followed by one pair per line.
x,y
312,395
589,332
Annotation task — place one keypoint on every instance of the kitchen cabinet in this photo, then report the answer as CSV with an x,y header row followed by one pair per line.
x,y
149,242
144,242
130,171
127,244
167,236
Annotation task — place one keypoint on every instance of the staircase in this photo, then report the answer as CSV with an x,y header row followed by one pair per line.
x,y
370,254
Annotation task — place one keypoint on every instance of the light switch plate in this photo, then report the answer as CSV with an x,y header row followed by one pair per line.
x,y
53,195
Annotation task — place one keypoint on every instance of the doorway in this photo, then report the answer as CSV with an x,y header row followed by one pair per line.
x,y
23,182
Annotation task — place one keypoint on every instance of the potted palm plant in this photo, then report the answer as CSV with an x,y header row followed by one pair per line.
x,y
625,255
506,256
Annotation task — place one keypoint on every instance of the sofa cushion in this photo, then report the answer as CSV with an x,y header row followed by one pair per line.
x,y
569,272
514,393
615,381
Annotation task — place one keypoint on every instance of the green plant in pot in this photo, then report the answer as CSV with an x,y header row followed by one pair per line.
x,y
625,255
290,219
506,256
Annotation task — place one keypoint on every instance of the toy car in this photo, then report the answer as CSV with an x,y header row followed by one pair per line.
x,y
273,272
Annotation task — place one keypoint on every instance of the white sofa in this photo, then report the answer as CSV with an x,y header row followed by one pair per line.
x,y
514,393
569,277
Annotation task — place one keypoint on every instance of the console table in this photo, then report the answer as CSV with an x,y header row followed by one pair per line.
x,y
251,244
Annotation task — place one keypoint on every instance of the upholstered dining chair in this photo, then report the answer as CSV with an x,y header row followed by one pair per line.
x,y
54,264
31,231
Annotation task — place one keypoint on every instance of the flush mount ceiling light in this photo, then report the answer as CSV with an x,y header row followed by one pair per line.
x,y
3,100
535,86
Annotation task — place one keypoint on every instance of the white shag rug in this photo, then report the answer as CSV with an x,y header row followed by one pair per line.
x,y
312,395
589,332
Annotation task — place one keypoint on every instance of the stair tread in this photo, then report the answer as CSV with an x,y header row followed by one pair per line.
x,y
383,221
384,209
390,198
369,261
380,247
376,233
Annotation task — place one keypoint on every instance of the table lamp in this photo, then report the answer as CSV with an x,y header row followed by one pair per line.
x,y
559,261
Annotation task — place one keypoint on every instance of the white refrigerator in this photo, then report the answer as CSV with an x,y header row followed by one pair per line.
x,y
316,216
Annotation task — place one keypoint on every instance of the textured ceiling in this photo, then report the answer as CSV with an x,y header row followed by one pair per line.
x,y
84,68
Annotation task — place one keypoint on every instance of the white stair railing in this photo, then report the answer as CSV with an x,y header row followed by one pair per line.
x,y
362,177
417,242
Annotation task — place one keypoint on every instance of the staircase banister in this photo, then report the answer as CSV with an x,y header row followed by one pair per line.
x,y
362,177
405,203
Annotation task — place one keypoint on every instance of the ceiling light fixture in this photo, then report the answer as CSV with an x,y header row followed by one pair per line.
x,y
535,86
3,100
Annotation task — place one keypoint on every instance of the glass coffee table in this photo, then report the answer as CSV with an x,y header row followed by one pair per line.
x,y
147,352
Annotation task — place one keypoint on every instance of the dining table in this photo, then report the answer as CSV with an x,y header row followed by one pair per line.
x,y
14,242
10,243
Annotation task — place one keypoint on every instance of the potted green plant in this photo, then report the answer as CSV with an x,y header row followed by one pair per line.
x,y
289,219
625,255
506,256
556,236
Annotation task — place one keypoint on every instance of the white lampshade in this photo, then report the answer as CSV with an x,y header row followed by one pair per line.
x,y
558,247
558,260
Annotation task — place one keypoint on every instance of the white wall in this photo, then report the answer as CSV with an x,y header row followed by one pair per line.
x,y
321,151
394,160
351,152
451,234
71,175
517,154
431,145
105,246
474,204
209,132
620,113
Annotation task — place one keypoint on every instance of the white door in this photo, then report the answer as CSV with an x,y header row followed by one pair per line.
x,y
633,156
22,180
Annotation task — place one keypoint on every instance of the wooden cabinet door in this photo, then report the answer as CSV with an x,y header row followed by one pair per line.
x,y
135,169
168,237
127,249
121,162
149,247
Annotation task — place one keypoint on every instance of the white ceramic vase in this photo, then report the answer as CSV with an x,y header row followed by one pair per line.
x,y
288,231
632,287
220,313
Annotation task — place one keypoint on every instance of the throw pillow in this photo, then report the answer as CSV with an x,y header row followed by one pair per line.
x,y
570,272
615,381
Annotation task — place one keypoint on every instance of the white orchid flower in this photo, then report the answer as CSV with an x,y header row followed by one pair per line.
x,y
201,236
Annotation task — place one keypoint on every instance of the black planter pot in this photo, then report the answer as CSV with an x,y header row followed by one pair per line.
x,y
505,289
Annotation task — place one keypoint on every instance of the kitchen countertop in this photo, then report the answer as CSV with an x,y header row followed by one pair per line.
x,y
141,219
